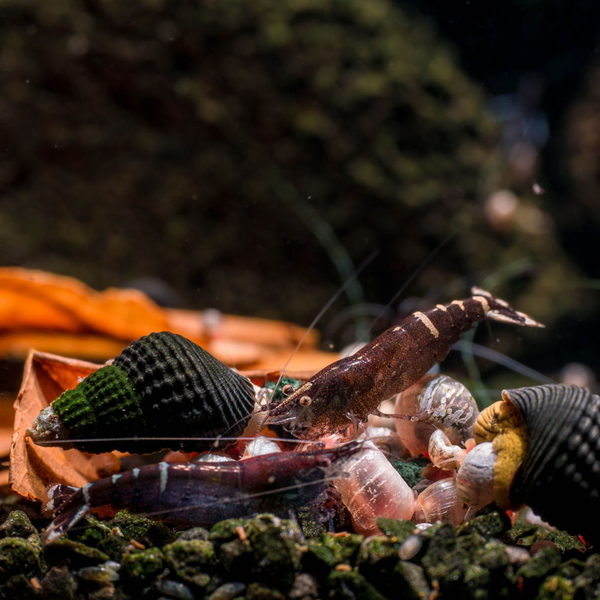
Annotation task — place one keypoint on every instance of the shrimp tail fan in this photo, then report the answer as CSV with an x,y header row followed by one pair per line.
x,y
68,505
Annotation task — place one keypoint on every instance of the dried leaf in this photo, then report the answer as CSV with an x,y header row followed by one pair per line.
x,y
60,314
33,467
39,300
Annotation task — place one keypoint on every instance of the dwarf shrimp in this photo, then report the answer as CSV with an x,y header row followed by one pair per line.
x,y
352,388
204,493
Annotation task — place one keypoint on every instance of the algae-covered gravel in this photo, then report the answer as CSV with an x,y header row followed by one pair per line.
x,y
267,557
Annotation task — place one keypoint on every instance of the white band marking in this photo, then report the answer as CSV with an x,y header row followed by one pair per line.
x,y
426,321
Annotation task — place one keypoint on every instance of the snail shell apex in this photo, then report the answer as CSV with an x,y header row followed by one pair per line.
x,y
162,385
105,395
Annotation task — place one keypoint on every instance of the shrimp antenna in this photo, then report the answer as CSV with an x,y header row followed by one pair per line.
x,y
501,359
137,438
327,306
405,285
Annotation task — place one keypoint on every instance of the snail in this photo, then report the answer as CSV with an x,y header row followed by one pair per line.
x,y
440,502
539,446
435,402
162,385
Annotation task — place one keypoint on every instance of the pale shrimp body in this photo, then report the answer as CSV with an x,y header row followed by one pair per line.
x,y
372,488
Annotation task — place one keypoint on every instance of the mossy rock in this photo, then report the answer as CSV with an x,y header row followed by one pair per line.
x,y
90,531
192,561
20,557
400,529
19,587
17,524
492,525
528,534
556,588
327,550
139,568
59,583
351,585
79,555
146,531
226,530
276,546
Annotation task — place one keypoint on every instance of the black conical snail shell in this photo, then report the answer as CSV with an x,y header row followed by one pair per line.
x,y
547,440
161,385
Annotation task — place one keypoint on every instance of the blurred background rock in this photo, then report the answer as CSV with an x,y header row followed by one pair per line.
x,y
248,156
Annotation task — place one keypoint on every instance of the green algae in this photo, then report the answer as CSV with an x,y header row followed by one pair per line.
x,y
20,557
527,534
399,529
17,524
79,555
139,568
410,470
277,395
59,583
192,561
268,557
349,585
327,550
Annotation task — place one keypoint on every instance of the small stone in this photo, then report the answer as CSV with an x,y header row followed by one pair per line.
x,y
556,588
517,556
19,557
174,589
410,547
540,564
77,553
228,591
305,586
17,524
141,568
59,584
409,581
351,585
399,529
195,533
191,560
258,591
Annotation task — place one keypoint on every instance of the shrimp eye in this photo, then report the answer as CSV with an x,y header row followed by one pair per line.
x,y
287,389
305,401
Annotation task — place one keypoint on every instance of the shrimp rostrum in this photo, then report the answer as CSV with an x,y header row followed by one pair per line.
x,y
201,494
352,388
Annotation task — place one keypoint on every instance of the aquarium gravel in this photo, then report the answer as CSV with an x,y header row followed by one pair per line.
x,y
268,557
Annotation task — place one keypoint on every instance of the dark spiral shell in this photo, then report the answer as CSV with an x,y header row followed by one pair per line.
x,y
161,385
560,475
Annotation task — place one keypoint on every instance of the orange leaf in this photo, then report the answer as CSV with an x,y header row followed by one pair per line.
x,y
32,467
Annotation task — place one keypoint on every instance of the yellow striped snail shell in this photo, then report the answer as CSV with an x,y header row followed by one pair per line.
x,y
539,446
162,385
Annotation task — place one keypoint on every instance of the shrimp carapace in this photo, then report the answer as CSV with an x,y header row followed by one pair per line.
x,y
352,388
